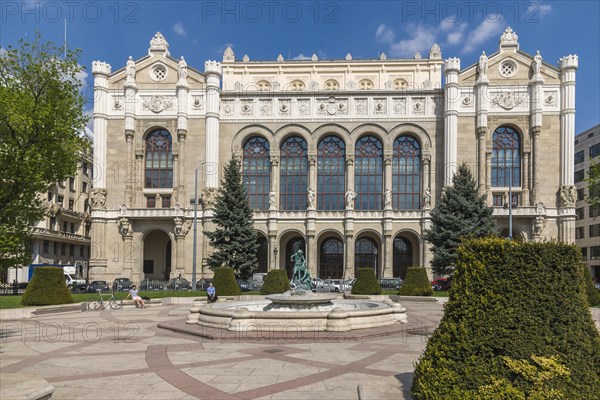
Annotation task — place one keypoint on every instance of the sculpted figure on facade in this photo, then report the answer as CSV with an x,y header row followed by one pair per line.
x,y
350,196
388,199
125,228
568,196
130,70
427,199
311,197
98,199
538,226
272,200
182,69
208,197
537,64
482,66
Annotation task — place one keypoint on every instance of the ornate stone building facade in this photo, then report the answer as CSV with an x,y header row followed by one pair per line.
x,y
342,158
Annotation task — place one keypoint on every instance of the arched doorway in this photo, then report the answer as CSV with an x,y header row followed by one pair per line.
x,y
157,255
331,259
292,246
516,235
403,256
262,254
365,255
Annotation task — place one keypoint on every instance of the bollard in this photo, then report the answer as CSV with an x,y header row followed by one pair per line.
x,y
361,392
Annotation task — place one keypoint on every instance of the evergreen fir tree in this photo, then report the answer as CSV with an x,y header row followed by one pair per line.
x,y
234,239
461,212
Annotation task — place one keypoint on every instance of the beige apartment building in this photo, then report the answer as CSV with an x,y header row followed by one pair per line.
x,y
587,226
344,159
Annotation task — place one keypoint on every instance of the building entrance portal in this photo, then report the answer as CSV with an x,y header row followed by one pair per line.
x,y
157,256
331,260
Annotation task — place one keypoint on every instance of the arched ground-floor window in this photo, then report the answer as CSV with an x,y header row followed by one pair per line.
x,y
403,256
262,254
331,259
366,253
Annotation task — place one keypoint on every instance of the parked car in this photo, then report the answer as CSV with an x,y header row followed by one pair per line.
x,y
96,286
390,283
335,285
441,284
246,286
122,285
75,283
151,284
178,284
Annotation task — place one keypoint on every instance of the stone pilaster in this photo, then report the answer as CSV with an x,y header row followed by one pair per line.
x,y
451,70
213,93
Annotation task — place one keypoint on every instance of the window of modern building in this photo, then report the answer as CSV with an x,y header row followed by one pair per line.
x,y
331,175
580,213
579,175
498,200
595,150
257,172
579,157
166,201
84,168
594,211
81,251
506,158
368,173
580,232
294,174
72,227
71,204
150,202
580,194
52,223
406,174
584,253
84,187
49,196
595,253
72,184
64,226
59,200
594,230
159,160
46,246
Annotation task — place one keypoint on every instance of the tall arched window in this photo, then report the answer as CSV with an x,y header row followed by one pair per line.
x,y
331,176
368,173
257,172
406,180
331,261
365,254
159,160
294,174
402,256
506,158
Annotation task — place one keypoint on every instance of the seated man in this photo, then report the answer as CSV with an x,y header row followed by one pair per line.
x,y
211,293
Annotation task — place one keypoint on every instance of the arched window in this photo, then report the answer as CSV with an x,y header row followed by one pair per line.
x,y
365,254
506,158
365,84
368,173
331,259
332,84
331,176
406,168
159,160
294,174
297,85
263,86
402,256
257,172
262,254
400,84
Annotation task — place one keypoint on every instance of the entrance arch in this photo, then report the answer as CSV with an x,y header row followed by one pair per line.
x,y
262,254
331,258
403,256
366,253
157,255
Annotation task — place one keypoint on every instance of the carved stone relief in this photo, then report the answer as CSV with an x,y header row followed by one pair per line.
x,y
399,106
508,100
157,103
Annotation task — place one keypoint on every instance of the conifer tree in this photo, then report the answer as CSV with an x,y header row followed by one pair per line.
x,y
461,212
234,239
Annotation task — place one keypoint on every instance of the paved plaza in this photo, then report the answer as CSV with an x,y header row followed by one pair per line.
x,y
122,354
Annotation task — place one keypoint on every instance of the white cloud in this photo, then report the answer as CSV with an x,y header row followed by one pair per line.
x,y
457,35
545,9
81,76
179,29
301,57
489,28
384,34
422,39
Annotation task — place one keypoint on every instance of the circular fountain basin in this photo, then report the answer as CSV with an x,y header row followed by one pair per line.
x,y
287,313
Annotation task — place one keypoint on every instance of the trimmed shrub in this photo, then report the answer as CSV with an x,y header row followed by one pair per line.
x,y
593,294
513,301
416,284
274,283
47,287
366,282
285,281
224,282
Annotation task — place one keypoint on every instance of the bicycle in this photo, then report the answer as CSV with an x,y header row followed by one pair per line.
x,y
103,303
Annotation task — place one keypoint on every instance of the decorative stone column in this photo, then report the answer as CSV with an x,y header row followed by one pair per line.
x,y
451,96
426,176
131,89
213,93
481,145
537,150
182,227
126,231
182,118
535,117
526,179
349,216
568,193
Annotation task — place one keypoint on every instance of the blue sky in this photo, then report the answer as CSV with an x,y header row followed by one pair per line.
x,y
199,30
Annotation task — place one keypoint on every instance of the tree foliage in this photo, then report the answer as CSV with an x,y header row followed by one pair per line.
x,y
593,180
416,284
461,212
234,239
41,117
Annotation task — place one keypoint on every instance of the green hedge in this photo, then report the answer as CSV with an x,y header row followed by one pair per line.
x,y
276,281
225,283
416,284
516,326
366,282
593,294
47,287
